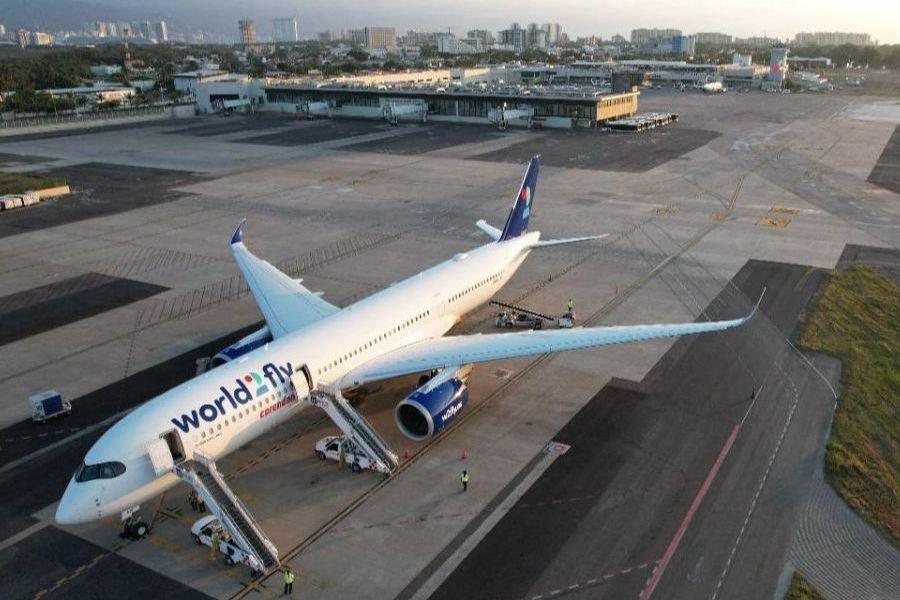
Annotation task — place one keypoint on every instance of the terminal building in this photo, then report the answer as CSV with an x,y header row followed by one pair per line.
x,y
489,95
502,109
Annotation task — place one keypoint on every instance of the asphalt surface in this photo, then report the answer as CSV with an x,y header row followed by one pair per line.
x,y
314,132
886,173
602,517
420,139
47,562
590,149
98,189
46,307
886,260
218,125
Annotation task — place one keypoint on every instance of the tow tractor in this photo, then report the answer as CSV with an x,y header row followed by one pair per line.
x,y
516,316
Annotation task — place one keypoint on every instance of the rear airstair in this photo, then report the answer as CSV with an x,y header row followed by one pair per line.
x,y
356,429
201,474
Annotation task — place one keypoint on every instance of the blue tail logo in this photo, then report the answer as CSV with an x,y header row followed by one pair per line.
x,y
517,221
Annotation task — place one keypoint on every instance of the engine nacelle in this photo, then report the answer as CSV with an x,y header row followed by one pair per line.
x,y
241,347
434,405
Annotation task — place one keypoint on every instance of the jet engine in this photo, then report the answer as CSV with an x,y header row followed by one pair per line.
x,y
241,347
433,405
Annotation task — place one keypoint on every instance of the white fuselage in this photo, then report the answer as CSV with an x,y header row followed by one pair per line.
x,y
231,405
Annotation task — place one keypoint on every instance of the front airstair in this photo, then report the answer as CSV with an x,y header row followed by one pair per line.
x,y
201,474
356,429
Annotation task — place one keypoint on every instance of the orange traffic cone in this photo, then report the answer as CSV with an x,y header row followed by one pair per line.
x,y
463,455
406,454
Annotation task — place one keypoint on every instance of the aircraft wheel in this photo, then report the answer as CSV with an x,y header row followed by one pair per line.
x,y
355,468
141,529
320,454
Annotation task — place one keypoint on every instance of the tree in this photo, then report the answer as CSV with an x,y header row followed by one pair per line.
x,y
358,55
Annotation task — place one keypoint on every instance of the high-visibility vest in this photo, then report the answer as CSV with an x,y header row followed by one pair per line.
x,y
464,477
288,577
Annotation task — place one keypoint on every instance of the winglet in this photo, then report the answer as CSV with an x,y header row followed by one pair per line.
x,y
238,236
755,308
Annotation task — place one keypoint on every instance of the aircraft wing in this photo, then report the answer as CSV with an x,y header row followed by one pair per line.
x,y
443,352
285,304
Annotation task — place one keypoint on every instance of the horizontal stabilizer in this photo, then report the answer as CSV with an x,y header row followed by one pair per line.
x,y
490,230
587,238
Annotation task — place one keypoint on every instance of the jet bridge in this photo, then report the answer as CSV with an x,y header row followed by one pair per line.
x,y
356,429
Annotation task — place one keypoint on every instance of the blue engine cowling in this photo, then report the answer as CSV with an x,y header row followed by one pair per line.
x,y
431,408
255,340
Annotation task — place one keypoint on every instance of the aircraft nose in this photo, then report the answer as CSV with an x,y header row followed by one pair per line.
x,y
71,509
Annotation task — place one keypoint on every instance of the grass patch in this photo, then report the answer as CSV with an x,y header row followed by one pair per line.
x,y
856,317
14,183
801,589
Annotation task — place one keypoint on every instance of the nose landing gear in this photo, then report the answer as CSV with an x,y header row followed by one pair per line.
x,y
133,526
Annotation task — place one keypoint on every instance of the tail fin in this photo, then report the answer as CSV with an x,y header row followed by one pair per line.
x,y
517,221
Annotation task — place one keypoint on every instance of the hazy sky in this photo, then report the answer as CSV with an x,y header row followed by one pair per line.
x,y
776,18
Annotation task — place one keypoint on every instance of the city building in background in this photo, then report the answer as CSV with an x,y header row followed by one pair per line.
x,y
686,44
484,37
285,30
713,38
645,37
554,33
756,42
247,29
513,38
380,37
157,31
161,31
447,43
832,38
357,36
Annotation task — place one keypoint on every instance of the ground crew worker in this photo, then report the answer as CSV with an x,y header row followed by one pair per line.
x,y
571,304
464,478
192,500
288,581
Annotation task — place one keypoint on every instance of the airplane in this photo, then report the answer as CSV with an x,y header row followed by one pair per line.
x,y
317,347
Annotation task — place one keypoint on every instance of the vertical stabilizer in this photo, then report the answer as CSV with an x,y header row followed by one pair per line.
x,y
517,221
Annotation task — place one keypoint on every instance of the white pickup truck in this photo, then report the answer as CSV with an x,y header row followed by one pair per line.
x,y
209,528
338,447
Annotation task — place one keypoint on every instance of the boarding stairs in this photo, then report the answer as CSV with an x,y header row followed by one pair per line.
x,y
201,474
356,429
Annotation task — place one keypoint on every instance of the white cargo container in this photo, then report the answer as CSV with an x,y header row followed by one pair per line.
x,y
47,405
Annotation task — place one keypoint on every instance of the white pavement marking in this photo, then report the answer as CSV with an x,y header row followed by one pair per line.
x,y
762,482
27,532
437,578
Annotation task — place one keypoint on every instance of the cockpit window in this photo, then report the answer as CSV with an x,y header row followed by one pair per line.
x,y
107,470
